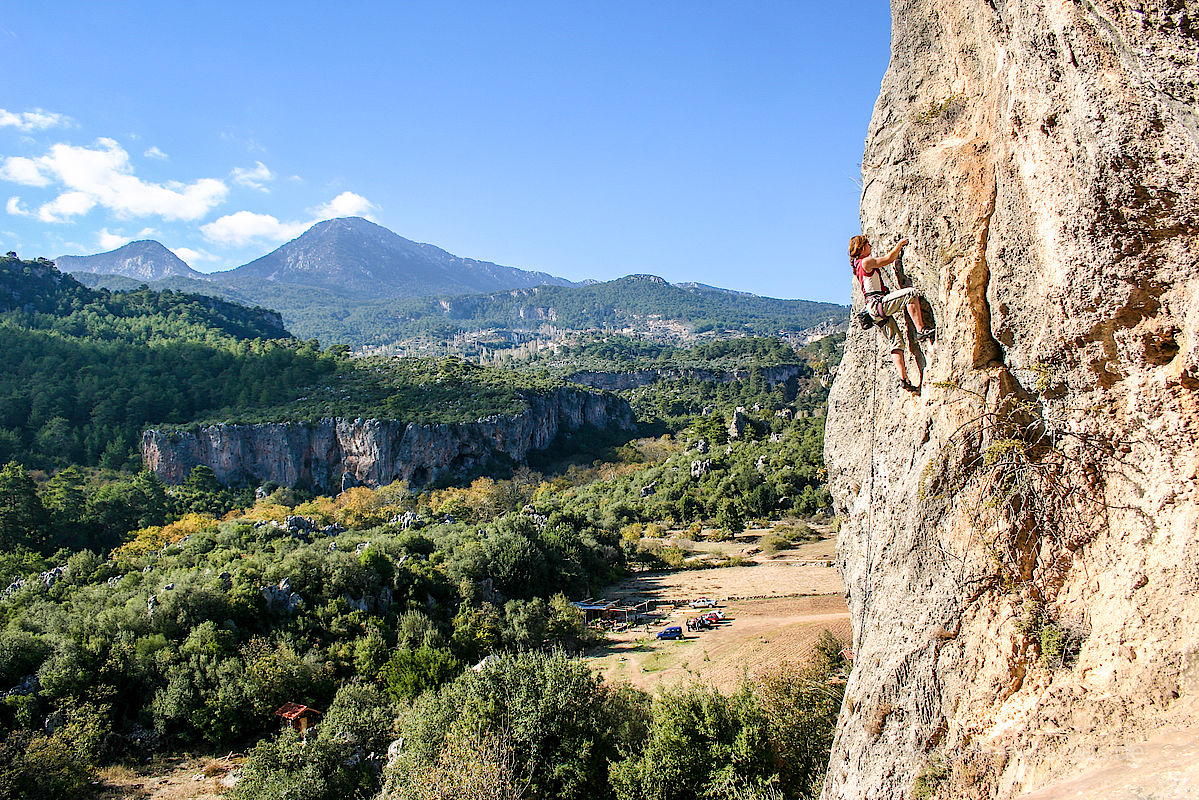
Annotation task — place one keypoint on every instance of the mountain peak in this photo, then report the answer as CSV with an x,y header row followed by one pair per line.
x,y
360,259
144,260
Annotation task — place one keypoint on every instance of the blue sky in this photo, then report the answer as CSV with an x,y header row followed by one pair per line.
x,y
714,142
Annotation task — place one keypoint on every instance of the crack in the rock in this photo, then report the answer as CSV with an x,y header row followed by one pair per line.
x,y
986,349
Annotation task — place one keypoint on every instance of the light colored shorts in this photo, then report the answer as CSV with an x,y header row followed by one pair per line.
x,y
884,311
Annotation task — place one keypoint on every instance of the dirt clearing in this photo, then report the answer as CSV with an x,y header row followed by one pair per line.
x,y
775,611
176,778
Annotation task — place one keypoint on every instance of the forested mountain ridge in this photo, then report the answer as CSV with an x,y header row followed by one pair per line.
x,y
82,371
86,371
354,282
144,260
645,305
618,303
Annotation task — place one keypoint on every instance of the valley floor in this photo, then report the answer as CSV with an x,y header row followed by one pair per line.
x,y
776,607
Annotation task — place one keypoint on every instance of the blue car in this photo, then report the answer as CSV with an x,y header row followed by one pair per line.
x,y
673,632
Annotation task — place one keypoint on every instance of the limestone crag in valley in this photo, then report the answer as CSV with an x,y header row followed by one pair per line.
x,y
1019,540
333,453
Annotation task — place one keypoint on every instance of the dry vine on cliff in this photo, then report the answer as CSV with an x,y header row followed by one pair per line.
x,y
1042,480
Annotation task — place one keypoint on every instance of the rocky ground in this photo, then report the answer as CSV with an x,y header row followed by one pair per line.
x,y
176,778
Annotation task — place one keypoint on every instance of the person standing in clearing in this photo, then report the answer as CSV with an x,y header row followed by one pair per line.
x,y
885,304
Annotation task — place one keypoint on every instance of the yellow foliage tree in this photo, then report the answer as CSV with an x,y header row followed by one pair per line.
x,y
155,537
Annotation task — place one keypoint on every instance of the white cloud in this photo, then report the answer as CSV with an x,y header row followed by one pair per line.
x,y
111,241
154,152
194,256
65,206
24,171
35,120
244,227
102,176
14,207
254,177
346,204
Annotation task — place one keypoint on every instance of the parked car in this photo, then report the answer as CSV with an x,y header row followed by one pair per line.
x,y
673,632
703,602
711,619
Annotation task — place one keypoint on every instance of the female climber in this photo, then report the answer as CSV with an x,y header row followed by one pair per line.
x,y
884,304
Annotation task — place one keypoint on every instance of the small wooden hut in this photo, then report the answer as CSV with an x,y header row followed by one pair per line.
x,y
299,717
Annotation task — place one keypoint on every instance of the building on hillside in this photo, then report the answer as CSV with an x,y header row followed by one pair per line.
x,y
299,718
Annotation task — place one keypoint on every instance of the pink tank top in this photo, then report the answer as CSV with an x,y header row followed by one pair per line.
x,y
871,282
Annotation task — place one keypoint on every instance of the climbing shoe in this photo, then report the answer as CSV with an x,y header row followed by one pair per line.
x,y
908,386
927,335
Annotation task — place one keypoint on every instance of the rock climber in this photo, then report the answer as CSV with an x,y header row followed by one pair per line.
x,y
885,304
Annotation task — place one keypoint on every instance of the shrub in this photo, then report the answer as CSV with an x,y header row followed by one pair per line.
x,y
553,718
930,779
410,673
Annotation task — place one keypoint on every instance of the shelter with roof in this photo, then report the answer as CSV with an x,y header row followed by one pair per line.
x,y
299,718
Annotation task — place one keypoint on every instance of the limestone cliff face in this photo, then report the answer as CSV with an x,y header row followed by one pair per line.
x,y
1042,158
375,452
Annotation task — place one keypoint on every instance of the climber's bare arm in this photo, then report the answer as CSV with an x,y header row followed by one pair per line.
x,y
870,264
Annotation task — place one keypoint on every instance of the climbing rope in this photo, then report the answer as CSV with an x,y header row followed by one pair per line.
x,y
869,500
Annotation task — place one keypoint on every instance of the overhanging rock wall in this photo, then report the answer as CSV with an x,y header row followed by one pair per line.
x,y
1043,158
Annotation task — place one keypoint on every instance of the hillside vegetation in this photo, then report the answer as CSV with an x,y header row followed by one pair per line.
x,y
138,620
82,371
183,617
644,303
369,605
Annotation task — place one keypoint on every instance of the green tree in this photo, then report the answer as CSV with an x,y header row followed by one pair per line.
x,y
23,520
334,764
701,745
370,653
410,673
560,726
728,516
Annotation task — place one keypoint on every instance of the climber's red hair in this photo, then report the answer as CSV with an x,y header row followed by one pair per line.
x,y
856,245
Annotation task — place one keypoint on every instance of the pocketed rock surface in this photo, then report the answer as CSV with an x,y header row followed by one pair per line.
x,y
1042,158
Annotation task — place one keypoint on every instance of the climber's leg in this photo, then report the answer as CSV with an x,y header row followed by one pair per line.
x,y
890,330
916,314
893,303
